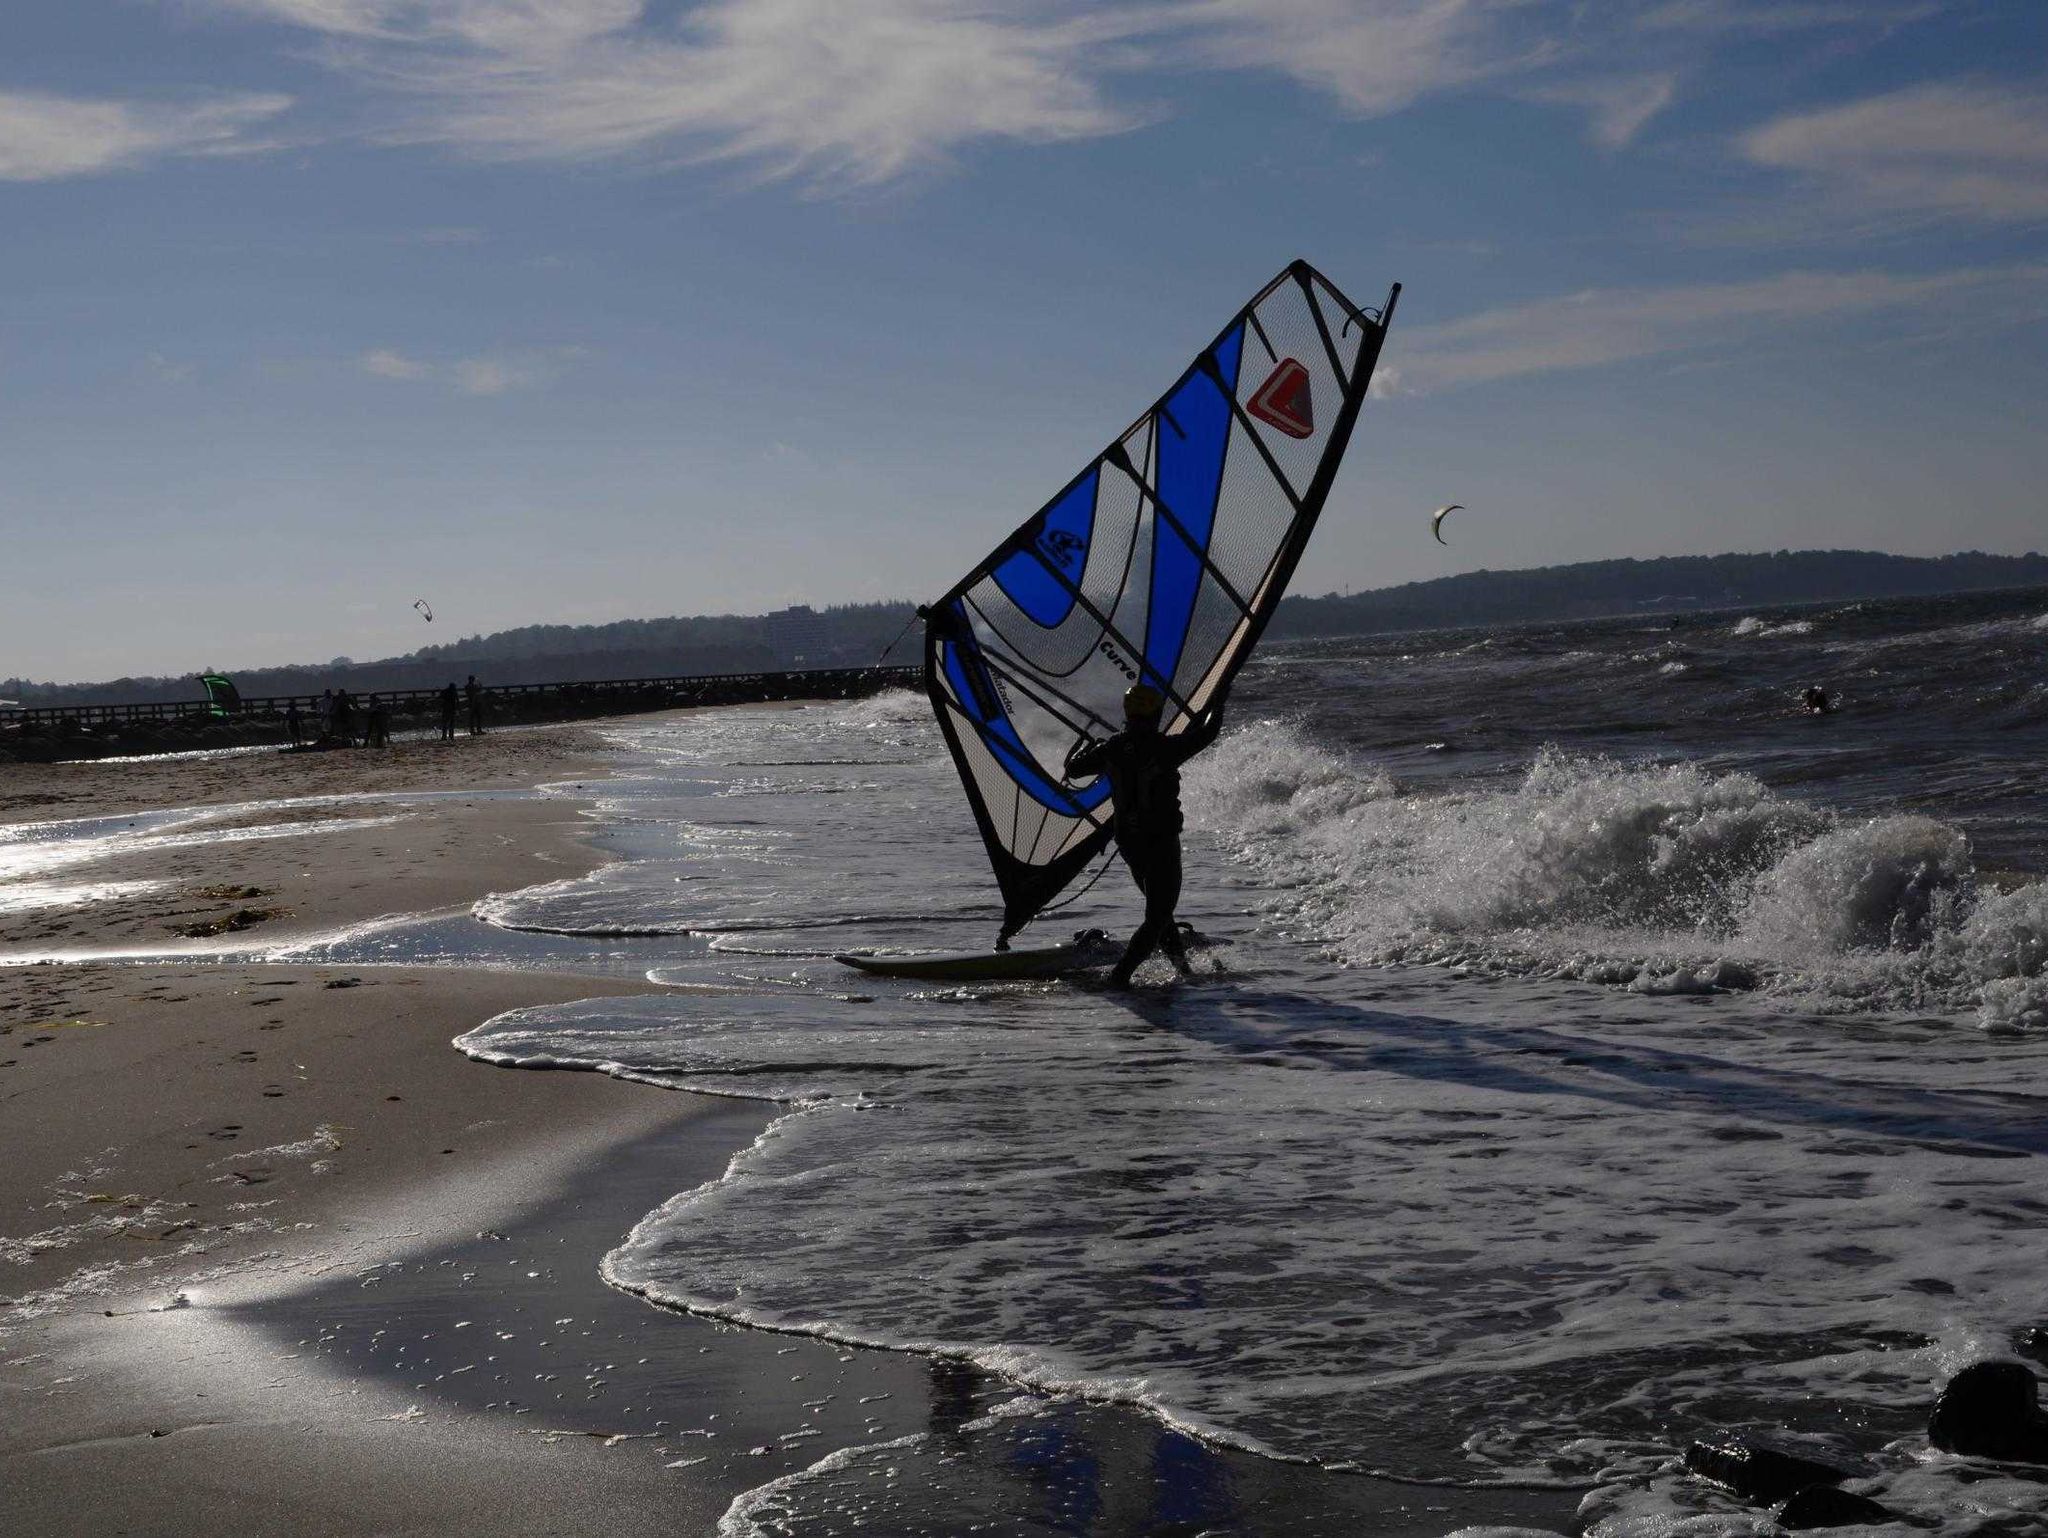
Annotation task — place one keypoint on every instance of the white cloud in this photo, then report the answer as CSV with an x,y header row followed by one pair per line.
x,y
1373,59
491,376
863,91
46,137
1618,106
386,363
483,374
860,92
1955,149
1606,326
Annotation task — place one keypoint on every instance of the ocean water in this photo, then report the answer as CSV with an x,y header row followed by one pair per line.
x,y
1594,1052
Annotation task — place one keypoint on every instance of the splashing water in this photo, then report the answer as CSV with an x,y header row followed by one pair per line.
x,y
1476,1220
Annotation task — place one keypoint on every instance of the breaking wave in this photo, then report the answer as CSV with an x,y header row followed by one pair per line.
x,y
1660,877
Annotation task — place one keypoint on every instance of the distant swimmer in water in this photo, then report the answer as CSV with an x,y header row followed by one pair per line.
x,y
1143,767
1816,701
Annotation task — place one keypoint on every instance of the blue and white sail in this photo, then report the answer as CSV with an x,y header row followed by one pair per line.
x,y
1160,563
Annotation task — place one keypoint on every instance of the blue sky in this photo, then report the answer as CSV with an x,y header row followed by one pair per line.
x,y
575,310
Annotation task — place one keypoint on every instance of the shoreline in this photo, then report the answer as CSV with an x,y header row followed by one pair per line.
x,y
342,1240
201,1115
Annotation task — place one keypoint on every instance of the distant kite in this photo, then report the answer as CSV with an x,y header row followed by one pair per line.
x,y
421,604
1436,521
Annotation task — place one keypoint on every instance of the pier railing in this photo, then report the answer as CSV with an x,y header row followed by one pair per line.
x,y
610,696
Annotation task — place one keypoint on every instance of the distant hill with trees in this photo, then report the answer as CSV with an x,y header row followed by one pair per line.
x,y
1670,584
852,635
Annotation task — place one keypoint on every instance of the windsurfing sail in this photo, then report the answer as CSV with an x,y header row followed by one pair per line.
x,y
1160,563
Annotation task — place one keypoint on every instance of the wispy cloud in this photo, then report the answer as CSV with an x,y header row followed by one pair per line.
x,y
509,25
47,137
484,374
840,93
1950,150
164,369
1763,18
821,89
1371,59
492,376
387,363
1617,107
854,93
1598,327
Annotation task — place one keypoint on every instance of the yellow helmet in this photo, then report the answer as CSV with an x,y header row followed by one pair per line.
x,y
1143,703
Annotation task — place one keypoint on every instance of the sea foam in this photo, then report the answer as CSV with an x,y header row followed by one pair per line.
x,y
1656,875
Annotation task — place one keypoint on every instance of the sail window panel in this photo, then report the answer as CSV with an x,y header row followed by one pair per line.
x,y
1119,520
1202,692
1253,518
1346,335
1007,805
1046,736
1006,630
999,794
1117,544
1210,627
1002,723
1133,611
1033,833
1080,832
1100,685
1056,835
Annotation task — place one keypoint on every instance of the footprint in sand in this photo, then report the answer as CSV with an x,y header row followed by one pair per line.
x,y
226,1134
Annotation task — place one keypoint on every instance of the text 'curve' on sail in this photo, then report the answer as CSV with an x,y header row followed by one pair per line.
x,y
1160,563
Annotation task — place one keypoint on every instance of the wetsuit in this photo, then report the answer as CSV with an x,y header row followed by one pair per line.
x,y
1144,788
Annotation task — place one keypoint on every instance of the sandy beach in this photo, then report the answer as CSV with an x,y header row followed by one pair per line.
x,y
255,1124
278,1260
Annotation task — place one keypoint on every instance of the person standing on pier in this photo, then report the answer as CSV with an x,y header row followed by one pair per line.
x,y
451,702
475,691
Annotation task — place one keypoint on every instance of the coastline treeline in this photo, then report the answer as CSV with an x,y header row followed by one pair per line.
x,y
853,635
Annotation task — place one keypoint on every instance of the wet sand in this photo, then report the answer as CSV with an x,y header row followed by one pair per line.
x,y
511,756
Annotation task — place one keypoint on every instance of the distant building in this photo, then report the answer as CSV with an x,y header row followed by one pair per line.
x,y
798,637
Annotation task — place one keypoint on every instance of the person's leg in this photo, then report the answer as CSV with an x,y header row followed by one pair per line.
x,y
1162,896
1146,936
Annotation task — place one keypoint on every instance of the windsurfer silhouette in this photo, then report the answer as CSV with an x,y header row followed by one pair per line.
x,y
1143,766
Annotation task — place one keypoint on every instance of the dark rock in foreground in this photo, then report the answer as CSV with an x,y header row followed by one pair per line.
x,y
1825,1506
1762,1468
1991,1410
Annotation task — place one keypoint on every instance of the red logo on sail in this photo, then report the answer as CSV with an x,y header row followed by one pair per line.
x,y
1283,401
